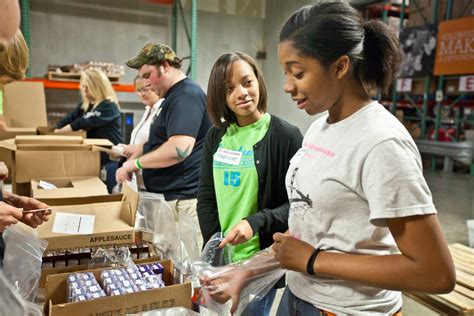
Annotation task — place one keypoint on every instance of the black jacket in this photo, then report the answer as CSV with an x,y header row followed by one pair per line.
x,y
101,122
272,156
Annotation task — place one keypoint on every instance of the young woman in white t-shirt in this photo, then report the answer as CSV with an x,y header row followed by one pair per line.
x,y
362,224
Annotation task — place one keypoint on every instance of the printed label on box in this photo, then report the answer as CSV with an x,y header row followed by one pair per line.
x,y
77,224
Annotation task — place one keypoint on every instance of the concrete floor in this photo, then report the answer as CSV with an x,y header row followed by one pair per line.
x,y
453,195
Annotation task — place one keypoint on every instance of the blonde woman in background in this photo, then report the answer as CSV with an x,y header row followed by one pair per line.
x,y
141,131
98,114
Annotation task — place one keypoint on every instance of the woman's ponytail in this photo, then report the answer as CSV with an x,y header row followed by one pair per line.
x,y
380,57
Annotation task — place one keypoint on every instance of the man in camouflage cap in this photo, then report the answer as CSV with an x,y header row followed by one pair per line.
x,y
154,54
171,158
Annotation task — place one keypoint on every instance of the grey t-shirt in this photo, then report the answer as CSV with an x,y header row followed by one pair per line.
x,y
347,178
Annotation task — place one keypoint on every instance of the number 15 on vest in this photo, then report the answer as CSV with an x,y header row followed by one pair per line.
x,y
232,178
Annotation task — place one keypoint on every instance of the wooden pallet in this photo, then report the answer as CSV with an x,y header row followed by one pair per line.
x,y
461,300
74,77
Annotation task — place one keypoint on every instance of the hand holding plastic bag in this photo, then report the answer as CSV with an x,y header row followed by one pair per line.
x,y
22,262
215,255
240,282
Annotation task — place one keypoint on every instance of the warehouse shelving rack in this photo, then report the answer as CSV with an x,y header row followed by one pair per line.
x,y
428,105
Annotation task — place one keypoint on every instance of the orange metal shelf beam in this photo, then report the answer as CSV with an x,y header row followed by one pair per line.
x,y
66,85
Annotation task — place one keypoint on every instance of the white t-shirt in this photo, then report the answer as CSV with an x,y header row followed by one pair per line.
x,y
142,130
347,178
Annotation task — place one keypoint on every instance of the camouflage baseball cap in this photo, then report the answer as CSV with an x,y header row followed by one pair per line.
x,y
153,53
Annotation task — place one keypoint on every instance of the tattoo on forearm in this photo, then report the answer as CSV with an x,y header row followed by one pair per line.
x,y
182,154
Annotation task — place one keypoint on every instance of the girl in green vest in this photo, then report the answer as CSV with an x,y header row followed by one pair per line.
x,y
246,155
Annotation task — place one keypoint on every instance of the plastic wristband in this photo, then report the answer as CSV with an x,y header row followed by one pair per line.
x,y
137,164
311,260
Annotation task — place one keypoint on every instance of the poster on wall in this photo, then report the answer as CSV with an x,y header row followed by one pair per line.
x,y
455,49
418,51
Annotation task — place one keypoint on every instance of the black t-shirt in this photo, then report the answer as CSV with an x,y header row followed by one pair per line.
x,y
183,113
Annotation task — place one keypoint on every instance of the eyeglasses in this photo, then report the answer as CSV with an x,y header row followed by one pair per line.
x,y
143,89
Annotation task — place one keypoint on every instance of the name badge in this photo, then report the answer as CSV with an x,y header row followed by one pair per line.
x,y
297,157
230,157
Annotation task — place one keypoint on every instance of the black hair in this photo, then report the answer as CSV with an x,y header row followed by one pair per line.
x,y
221,116
328,30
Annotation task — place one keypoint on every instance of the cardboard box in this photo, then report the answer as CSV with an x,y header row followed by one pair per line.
x,y
82,200
50,156
24,104
49,130
170,296
114,222
451,87
424,8
413,128
45,272
12,132
68,187
418,87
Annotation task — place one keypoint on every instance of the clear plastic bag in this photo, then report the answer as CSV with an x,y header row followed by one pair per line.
x,y
173,311
111,257
12,303
214,255
187,232
250,279
150,206
176,241
22,262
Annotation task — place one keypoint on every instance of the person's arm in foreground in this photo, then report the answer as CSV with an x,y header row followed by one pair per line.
x,y
11,204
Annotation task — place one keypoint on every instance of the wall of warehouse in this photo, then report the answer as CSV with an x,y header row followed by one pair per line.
x,y
280,102
66,32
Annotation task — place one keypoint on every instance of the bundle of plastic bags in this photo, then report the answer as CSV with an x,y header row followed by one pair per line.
x,y
175,241
111,257
22,261
149,206
231,287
